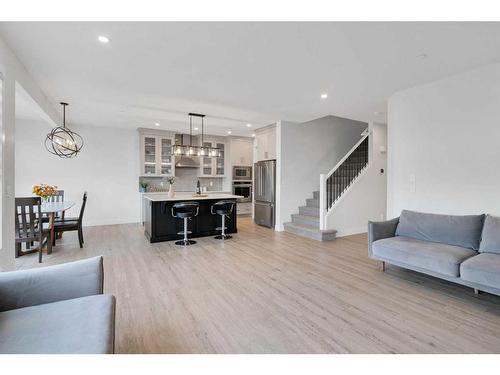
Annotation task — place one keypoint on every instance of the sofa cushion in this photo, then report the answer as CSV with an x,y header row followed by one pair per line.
x,y
490,242
80,325
432,256
482,269
464,231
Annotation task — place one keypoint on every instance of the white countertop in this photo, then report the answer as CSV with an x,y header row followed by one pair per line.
x,y
188,197
187,192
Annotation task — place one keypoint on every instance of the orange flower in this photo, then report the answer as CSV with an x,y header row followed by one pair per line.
x,y
44,190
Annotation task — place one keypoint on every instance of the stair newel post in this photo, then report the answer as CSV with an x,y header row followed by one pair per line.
x,y
322,201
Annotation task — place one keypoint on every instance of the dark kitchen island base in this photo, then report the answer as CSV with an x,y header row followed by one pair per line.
x,y
159,225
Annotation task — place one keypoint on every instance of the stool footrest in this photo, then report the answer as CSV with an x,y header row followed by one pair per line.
x,y
220,228
182,233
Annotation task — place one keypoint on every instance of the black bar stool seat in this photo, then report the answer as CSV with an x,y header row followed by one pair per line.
x,y
185,211
223,208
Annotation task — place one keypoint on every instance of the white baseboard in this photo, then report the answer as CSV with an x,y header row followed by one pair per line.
x,y
111,222
351,231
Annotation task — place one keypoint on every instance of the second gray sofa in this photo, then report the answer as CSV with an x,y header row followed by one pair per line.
x,y
462,249
57,309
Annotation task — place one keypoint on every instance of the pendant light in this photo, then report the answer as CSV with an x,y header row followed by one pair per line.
x,y
194,150
63,142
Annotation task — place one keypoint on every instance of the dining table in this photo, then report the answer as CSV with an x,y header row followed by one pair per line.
x,y
51,209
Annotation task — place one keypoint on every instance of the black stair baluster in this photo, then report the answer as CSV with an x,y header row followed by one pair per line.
x,y
329,201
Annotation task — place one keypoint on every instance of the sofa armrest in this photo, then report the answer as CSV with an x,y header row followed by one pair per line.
x,y
378,230
50,284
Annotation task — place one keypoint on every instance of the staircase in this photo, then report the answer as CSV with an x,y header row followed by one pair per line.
x,y
306,222
310,221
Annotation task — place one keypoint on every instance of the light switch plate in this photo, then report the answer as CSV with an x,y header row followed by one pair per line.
x,y
413,188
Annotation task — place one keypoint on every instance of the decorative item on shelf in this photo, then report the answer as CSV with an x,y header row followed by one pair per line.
x,y
193,150
63,142
171,190
143,186
44,191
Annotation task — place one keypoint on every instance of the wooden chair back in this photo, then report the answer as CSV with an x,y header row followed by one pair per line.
x,y
59,197
28,218
82,209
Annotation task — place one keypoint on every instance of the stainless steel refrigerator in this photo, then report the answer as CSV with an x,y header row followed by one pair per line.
x,y
265,192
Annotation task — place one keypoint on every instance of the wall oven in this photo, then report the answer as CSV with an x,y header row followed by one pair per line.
x,y
242,173
243,188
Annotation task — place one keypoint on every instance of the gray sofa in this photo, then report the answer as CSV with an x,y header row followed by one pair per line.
x,y
462,249
57,309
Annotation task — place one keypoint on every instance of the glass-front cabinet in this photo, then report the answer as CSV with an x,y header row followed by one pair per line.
x,y
212,166
149,155
166,167
219,162
156,155
207,162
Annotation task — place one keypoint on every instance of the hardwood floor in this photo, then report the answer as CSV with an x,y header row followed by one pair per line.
x,y
274,292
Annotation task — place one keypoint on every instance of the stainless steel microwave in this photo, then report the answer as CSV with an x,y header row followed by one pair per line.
x,y
242,173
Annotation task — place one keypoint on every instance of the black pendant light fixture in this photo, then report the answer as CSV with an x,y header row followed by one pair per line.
x,y
63,142
194,150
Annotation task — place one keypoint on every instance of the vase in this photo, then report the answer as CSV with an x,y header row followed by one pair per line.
x,y
171,191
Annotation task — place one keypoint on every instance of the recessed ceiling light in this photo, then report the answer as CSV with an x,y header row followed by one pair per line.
x,y
195,128
103,39
157,123
253,135
324,96
229,132
249,125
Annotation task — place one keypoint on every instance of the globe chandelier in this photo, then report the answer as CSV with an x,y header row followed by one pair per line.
x,y
63,142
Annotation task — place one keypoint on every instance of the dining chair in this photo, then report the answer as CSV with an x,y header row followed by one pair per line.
x,y
29,226
58,197
72,223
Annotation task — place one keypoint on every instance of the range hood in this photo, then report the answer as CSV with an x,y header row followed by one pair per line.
x,y
186,161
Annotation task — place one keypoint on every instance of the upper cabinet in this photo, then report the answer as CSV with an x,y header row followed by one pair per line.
x,y
241,151
156,155
265,143
211,166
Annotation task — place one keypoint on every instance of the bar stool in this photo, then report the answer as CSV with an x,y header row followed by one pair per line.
x,y
223,208
185,210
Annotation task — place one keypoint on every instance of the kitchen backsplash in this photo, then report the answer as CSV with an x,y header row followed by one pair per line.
x,y
185,180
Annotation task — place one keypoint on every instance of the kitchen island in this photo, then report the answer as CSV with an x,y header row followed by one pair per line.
x,y
159,225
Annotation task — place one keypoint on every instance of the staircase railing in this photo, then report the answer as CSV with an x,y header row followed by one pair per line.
x,y
333,184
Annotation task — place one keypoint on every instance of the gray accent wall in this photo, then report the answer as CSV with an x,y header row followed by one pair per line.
x,y
307,150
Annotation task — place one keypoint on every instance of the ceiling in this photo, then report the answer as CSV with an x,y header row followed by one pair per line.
x,y
239,73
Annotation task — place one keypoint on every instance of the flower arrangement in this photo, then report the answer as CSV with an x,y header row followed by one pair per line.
x,y
171,180
44,190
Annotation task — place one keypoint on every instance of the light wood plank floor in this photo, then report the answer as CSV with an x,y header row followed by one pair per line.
x,y
269,292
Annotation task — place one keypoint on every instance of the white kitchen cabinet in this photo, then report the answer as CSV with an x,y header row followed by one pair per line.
x,y
213,166
265,143
156,155
241,150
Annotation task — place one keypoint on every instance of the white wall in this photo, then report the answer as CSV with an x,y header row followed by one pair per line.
x,y
446,134
14,75
107,168
307,150
366,199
